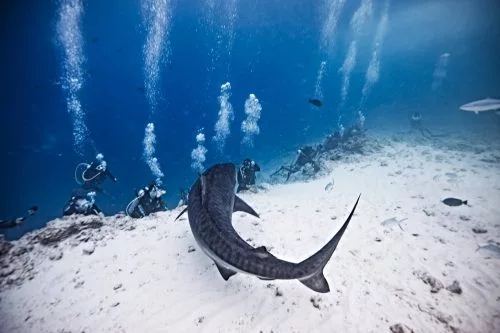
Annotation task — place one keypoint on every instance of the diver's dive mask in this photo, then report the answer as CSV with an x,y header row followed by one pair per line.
x,y
102,166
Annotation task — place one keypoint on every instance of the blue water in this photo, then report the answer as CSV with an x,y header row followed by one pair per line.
x,y
275,54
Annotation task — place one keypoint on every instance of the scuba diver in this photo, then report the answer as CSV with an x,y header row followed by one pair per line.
x,y
6,224
416,121
305,155
416,125
335,140
81,203
147,200
246,174
94,174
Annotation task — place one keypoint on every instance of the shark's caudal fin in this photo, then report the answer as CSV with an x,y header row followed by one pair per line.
x,y
242,206
317,280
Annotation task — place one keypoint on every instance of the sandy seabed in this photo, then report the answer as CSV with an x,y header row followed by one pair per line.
x,y
116,274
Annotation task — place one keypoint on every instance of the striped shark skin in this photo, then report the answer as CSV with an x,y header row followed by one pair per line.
x,y
211,203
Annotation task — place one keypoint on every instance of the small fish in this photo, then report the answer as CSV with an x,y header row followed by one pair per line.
x,y
392,221
315,102
141,89
33,210
329,186
490,247
454,202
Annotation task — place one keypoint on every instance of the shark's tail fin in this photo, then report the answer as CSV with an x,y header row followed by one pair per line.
x,y
315,264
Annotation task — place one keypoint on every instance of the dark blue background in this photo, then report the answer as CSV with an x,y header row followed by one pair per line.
x,y
275,55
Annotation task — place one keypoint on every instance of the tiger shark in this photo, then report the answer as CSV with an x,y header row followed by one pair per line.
x,y
487,104
211,203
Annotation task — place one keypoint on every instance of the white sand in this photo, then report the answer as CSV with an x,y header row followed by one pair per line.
x,y
163,287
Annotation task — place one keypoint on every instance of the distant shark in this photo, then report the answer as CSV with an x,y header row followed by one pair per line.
x,y
487,104
211,203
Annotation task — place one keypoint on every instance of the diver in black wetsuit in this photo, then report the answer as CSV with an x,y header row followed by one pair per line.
x,y
305,155
6,224
246,174
416,125
81,203
416,121
95,174
148,200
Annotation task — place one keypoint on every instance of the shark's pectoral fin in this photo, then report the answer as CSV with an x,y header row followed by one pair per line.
x,y
183,211
225,272
242,206
317,282
262,252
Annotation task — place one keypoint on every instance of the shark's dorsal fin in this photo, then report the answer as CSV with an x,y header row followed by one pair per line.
x,y
242,206
183,211
262,252
225,272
